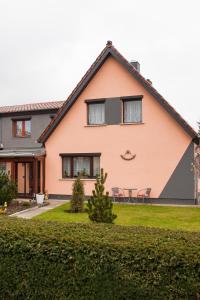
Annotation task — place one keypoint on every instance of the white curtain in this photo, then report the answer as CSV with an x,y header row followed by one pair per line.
x,y
132,111
19,128
97,113
66,167
81,165
27,127
96,166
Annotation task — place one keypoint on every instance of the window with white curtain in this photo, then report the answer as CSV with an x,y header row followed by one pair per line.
x,y
96,113
132,110
86,166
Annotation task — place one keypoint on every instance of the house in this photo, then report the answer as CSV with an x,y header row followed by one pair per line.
x,y
115,119
21,156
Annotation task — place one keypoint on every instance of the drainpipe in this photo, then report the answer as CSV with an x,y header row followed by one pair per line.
x,y
1,134
197,171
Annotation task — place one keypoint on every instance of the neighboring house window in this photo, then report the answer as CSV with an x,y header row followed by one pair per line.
x,y
3,167
96,113
22,128
132,110
87,166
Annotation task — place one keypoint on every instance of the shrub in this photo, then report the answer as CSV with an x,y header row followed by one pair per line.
x,y
77,200
100,204
41,260
8,189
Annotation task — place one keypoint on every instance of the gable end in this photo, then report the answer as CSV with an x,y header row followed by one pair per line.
x,y
110,50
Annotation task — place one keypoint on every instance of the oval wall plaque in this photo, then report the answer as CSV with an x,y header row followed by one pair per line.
x,y
128,155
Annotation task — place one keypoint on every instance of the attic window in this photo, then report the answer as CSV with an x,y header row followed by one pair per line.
x,y
96,113
132,110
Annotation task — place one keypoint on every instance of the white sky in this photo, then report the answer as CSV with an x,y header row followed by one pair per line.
x,y
46,46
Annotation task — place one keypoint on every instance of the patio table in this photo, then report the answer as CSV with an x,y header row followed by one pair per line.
x,y
130,192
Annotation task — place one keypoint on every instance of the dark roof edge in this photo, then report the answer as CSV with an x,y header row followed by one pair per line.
x,y
110,50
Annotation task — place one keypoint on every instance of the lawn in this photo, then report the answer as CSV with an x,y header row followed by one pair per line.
x,y
183,218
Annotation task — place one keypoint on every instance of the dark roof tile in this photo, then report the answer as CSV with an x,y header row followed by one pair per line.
x,y
31,107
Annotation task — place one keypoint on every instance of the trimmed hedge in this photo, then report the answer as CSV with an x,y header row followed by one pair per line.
x,y
41,260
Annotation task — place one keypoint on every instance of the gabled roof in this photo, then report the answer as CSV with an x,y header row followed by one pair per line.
x,y
110,50
31,107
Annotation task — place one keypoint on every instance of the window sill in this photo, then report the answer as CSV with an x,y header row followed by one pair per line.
x,y
96,125
139,123
73,179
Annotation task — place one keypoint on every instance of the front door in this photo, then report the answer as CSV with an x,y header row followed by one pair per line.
x,y
24,179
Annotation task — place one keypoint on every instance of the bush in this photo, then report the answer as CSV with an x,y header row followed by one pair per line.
x,y
41,260
77,200
100,204
8,189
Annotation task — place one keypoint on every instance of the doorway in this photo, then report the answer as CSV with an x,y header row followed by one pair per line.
x,y
24,179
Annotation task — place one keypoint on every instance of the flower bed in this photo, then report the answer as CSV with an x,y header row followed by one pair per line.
x,y
16,206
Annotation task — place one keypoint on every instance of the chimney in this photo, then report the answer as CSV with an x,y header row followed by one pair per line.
x,y
135,64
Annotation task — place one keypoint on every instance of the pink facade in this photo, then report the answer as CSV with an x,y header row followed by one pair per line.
x,y
159,142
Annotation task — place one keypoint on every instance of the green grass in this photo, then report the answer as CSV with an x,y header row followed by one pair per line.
x,y
181,218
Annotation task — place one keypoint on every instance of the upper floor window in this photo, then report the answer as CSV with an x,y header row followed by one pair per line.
x,y
86,165
96,113
132,110
22,128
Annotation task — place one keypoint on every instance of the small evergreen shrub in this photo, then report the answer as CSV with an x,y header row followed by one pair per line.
x,y
8,189
100,204
78,196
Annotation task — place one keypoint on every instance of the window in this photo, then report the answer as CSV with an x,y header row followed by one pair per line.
x,y
132,110
96,113
3,167
22,128
86,165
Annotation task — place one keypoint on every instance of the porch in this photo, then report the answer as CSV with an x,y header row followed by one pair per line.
x,y
26,168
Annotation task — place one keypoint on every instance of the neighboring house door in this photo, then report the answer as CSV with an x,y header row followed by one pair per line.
x,y
24,178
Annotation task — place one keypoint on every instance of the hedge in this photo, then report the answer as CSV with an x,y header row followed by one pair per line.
x,y
41,260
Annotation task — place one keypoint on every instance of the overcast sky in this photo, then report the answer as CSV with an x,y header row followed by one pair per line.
x,y
46,46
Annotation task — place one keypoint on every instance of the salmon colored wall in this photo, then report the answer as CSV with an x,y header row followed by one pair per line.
x,y
158,143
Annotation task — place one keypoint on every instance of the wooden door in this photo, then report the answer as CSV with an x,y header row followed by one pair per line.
x,y
24,179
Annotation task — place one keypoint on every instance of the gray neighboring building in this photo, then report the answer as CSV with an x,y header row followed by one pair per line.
x,y
21,156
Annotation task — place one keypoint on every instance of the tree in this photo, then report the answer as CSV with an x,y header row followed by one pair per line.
x,y
8,189
100,204
196,167
78,196
198,129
